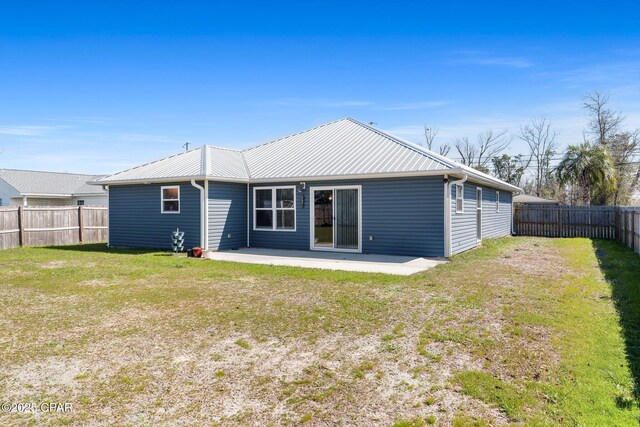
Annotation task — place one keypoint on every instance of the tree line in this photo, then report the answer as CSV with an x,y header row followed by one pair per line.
x,y
602,169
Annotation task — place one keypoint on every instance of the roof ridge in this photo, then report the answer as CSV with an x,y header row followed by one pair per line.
x,y
155,161
246,166
222,148
295,134
40,171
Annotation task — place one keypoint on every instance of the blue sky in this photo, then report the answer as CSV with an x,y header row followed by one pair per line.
x,y
101,87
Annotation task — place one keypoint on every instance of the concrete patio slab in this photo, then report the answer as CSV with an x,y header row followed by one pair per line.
x,y
388,264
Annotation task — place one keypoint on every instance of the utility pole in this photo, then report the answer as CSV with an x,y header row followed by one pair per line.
x,y
186,146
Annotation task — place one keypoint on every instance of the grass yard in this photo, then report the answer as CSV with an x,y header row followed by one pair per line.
x,y
523,331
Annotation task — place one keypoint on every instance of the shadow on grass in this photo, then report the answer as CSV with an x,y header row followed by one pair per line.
x,y
103,248
621,267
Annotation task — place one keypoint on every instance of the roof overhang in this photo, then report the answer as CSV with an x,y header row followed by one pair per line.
x,y
476,177
49,196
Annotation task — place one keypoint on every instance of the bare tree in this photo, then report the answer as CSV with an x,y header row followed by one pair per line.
x,y
488,145
603,122
430,134
444,149
541,140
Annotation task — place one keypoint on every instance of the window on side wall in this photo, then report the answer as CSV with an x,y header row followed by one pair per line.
x,y
170,199
80,202
497,201
274,208
459,198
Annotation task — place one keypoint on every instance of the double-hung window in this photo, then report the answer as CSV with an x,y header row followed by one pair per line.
x,y
459,198
274,208
170,199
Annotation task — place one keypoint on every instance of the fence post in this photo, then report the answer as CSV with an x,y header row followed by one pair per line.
x,y
80,225
20,226
633,230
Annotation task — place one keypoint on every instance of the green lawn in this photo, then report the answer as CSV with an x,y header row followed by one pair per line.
x,y
523,331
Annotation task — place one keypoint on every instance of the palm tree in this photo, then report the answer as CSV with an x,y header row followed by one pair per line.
x,y
590,167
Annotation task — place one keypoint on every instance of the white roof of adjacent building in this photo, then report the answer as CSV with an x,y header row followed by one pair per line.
x,y
28,182
534,200
344,148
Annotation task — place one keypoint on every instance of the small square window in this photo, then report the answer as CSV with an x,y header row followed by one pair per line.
x,y
264,218
286,219
170,199
284,198
263,199
80,202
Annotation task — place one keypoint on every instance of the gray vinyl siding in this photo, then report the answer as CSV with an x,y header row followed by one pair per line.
x,y
135,220
494,224
227,215
405,216
6,193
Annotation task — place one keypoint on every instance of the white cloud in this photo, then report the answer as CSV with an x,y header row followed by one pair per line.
x,y
29,130
413,106
486,58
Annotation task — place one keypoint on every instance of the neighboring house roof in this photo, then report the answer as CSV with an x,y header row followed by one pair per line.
x,y
345,148
34,183
533,200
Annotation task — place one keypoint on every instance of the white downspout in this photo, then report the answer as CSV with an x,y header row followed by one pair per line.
x,y
203,214
447,212
206,215
248,217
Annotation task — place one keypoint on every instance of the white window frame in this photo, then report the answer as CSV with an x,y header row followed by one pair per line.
x,y
312,218
459,196
275,209
497,201
479,199
162,199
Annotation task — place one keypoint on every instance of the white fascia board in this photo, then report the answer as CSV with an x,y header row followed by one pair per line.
x,y
49,196
149,180
438,172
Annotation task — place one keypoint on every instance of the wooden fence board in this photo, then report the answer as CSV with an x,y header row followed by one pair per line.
x,y
53,226
604,222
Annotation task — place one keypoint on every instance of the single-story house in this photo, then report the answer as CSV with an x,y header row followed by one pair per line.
x,y
527,199
342,186
37,188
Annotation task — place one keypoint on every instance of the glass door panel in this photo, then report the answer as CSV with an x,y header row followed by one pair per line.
x,y
323,219
346,218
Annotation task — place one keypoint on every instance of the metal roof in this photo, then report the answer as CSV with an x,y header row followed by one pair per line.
x,y
340,149
344,147
50,183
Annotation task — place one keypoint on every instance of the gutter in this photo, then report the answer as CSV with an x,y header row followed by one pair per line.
x,y
447,213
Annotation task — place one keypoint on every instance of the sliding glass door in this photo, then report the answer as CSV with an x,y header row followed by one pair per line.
x,y
335,218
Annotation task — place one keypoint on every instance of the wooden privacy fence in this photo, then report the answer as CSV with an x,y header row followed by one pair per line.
x,y
604,222
52,226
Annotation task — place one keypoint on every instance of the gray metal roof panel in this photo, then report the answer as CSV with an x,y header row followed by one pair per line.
x,y
343,147
188,163
225,163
